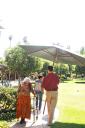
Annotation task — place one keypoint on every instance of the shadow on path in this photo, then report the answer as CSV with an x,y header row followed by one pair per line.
x,y
54,125
41,122
33,125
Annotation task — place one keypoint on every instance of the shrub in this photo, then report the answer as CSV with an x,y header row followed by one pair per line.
x,y
7,103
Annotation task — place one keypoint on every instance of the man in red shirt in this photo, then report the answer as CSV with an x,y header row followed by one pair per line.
x,y
50,84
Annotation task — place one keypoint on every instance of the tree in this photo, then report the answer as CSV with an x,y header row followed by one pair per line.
x,y
19,62
1,29
15,58
45,67
2,61
32,64
25,39
78,69
82,51
10,39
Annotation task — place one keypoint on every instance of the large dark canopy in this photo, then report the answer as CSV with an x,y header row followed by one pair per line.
x,y
55,54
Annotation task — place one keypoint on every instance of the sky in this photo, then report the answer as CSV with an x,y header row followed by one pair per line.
x,y
42,22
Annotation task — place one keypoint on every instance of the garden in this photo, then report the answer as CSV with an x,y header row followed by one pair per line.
x,y
71,105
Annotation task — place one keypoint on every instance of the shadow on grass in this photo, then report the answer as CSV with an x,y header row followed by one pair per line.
x,y
80,82
67,125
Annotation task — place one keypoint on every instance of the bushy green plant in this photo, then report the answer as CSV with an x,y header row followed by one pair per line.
x,y
7,103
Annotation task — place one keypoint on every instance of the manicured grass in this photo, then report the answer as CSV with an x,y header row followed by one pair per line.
x,y
71,104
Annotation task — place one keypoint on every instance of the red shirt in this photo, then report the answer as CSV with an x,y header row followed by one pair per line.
x,y
50,82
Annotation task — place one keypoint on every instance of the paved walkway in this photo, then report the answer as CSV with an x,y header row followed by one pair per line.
x,y
41,122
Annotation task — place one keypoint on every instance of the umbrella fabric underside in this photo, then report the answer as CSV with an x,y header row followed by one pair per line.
x,y
55,54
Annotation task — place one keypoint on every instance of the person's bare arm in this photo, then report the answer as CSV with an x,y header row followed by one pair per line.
x,y
31,88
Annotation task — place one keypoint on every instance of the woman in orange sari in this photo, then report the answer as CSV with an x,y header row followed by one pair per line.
x,y
23,106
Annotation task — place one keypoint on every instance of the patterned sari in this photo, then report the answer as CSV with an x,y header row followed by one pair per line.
x,y
23,105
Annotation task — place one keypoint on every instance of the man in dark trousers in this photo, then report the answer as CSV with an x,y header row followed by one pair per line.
x,y
50,84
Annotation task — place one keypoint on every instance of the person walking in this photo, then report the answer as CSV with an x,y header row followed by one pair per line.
x,y
23,105
38,92
50,84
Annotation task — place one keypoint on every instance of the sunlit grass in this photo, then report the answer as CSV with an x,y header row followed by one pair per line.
x,y
71,104
3,124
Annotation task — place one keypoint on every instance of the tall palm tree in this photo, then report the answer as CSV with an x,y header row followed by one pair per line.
x,y
10,39
1,29
25,39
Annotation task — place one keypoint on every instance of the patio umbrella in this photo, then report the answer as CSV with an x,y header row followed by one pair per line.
x,y
55,54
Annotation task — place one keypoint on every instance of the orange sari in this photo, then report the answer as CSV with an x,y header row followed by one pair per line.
x,y
23,106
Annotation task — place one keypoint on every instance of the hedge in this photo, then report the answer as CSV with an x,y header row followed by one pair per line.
x,y
7,103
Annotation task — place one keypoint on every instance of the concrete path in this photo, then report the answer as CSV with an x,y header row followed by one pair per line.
x,y
41,122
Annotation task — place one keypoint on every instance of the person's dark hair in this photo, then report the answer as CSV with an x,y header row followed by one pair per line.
x,y
50,68
40,76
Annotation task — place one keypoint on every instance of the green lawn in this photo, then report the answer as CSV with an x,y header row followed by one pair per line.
x,y
71,105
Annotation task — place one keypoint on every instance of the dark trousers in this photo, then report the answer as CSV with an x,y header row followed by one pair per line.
x,y
38,99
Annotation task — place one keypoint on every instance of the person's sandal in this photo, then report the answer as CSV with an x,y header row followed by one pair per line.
x,y
22,121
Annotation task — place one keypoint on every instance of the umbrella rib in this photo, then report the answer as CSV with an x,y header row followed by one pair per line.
x,y
70,55
48,52
77,60
54,56
38,50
